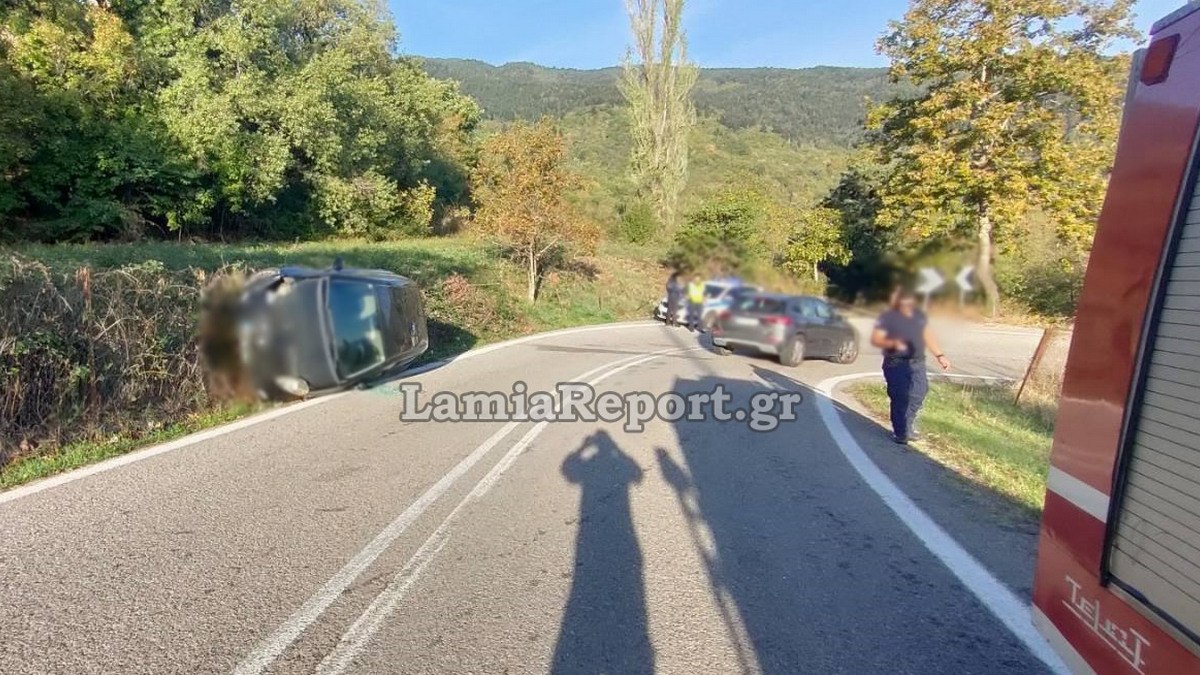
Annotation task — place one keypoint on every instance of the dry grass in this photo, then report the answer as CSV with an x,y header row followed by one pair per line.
x,y
91,354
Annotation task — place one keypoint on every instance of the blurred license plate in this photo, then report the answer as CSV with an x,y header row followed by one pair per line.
x,y
744,321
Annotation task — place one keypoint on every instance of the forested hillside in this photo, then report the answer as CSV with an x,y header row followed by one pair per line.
x,y
794,173
817,106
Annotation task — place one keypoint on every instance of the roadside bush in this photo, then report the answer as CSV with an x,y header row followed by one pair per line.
x,y
1044,284
638,224
721,236
88,355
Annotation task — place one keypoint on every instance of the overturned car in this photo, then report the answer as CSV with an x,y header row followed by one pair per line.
x,y
297,331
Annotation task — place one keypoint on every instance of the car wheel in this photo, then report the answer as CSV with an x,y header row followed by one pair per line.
x,y
792,352
848,353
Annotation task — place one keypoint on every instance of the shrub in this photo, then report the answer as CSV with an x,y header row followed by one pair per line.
x,y
1043,283
721,236
638,223
87,355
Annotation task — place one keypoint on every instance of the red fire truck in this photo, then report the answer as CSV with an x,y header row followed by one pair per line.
x,y
1118,572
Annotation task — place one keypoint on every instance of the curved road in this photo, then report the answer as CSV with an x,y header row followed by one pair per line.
x,y
337,538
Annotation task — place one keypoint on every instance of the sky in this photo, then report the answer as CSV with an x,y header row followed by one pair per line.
x,y
721,33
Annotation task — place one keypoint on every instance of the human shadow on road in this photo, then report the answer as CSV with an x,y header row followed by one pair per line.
x,y
810,571
604,628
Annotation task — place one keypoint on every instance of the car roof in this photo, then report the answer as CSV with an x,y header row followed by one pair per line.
x,y
785,297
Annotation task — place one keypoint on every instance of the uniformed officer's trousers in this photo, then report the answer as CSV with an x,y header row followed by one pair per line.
x,y
907,386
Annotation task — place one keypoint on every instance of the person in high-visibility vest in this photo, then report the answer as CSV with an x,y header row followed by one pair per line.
x,y
695,296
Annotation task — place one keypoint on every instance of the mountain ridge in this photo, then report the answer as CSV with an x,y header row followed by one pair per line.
x,y
819,105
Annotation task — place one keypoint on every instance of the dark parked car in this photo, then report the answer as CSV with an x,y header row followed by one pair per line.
x,y
792,327
304,330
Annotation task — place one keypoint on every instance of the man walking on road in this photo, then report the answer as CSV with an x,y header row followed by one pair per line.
x,y
695,296
903,334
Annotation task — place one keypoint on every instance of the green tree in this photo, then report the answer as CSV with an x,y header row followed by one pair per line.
x,y
1019,108
81,159
657,82
522,184
299,109
816,239
276,118
872,267
723,235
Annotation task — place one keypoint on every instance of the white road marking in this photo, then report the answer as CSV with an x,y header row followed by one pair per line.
x,y
153,451
209,434
283,636
990,591
370,621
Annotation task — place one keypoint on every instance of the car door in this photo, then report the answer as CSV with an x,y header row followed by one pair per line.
x,y
830,326
839,330
406,325
815,325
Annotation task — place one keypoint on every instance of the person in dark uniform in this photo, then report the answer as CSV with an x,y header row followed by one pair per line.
x,y
674,297
903,333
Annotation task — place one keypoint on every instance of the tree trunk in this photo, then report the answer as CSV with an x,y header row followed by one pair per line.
x,y
533,276
983,269
816,272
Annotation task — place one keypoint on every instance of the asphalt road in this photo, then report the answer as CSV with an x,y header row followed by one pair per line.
x,y
338,538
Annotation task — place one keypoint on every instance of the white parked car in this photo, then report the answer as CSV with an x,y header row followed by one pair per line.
x,y
718,295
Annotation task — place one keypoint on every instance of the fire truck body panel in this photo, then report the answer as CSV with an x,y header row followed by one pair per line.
x,y
1118,577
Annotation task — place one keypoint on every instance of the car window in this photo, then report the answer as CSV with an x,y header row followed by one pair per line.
x,y
772,306
745,303
822,309
760,305
712,291
357,326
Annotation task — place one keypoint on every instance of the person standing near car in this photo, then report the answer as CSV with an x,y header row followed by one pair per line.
x,y
695,297
674,298
903,333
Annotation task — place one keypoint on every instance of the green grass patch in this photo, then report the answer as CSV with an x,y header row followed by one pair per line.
x,y
979,433
419,259
82,453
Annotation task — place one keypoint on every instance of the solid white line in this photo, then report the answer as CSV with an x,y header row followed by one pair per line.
x,y
1092,501
209,434
990,591
283,636
372,619
139,455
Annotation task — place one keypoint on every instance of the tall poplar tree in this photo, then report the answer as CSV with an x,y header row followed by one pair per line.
x,y
657,82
